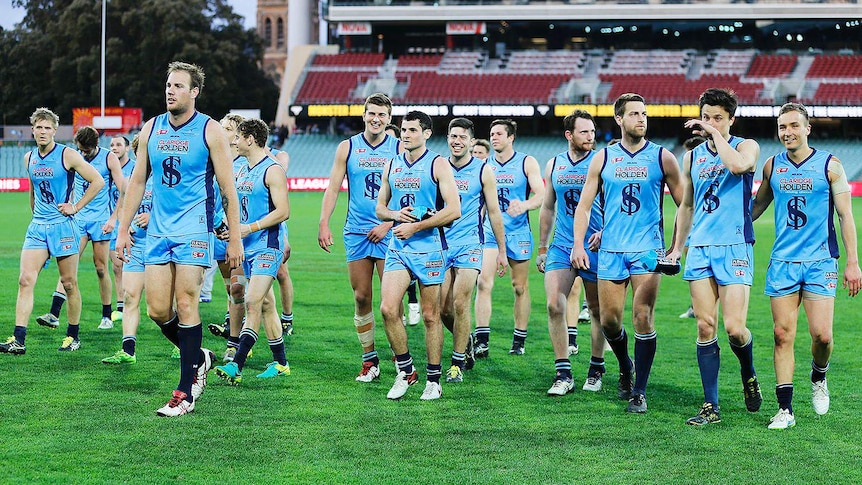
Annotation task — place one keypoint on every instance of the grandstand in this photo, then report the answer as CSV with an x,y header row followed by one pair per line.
x,y
595,76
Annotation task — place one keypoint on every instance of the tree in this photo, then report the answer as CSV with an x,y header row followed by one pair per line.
x,y
53,58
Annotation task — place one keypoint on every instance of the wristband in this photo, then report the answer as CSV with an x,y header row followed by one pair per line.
x,y
75,207
543,250
258,226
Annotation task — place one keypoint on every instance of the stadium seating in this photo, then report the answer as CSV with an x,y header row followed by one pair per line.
x,y
348,59
433,87
772,66
676,88
836,66
724,61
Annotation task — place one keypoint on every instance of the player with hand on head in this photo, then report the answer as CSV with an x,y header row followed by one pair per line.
x,y
52,169
714,219
807,185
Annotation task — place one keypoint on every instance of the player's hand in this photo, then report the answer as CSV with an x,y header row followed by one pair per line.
x,y
379,232
142,220
516,208
673,256
595,241
324,237
108,227
502,263
579,258
123,246
700,128
852,279
405,215
540,261
404,231
234,255
67,209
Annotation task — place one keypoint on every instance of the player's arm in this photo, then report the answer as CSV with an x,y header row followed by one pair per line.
x,y
579,257
673,179
764,194
841,196
685,212
546,217
276,180
739,160
73,160
330,196
449,191
537,187
32,193
489,191
282,158
116,171
381,210
223,167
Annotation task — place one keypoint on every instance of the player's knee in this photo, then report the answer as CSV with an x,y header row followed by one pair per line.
x,y
555,308
237,289
783,336
362,300
519,288
27,279
461,305
706,326
822,339
131,299
485,284
69,283
431,317
390,311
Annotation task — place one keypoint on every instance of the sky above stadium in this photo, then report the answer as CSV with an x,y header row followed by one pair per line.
x,y
9,15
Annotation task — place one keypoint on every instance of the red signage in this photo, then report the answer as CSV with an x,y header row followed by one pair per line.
x,y
116,121
465,28
354,28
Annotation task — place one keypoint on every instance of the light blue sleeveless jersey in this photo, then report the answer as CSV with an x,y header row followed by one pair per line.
x,y
255,203
146,206
632,194
52,184
804,224
365,164
414,185
722,200
468,229
99,209
183,194
115,191
511,184
567,181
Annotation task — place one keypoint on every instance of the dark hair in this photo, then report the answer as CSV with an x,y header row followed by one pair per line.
x,y
379,99
393,127
724,98
570,119
462,123
484,143
620,103
256,128
799,108
125,140
692,142
511,126
87,137
196,73
423,119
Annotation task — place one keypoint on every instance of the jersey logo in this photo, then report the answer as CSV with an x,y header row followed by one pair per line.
x,y
503,198
171,176
45,192
630,202
243,208
372,185
616,159
162,132
407,200
781,169
710,200
571,197
360,150
796,218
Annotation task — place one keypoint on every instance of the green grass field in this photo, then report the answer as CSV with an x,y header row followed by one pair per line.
x,y
67,418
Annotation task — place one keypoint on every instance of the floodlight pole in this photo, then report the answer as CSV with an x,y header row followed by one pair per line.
x,y
104,11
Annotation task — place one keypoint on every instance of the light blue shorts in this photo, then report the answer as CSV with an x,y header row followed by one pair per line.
x,y
113,244
357,246
219,249
559,257
728,265
60,239
93,230
519,247
191,250
264,262
136,258
786,277
467,256
614,266
427,268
